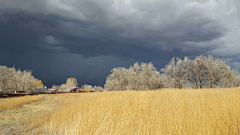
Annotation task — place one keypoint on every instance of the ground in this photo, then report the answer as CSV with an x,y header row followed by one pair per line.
x,y
165,111
13,121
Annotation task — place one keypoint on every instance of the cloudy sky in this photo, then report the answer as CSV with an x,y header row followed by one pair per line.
x,y
85,39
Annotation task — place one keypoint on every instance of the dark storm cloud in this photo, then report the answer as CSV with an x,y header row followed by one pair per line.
x,y
135,30
107,27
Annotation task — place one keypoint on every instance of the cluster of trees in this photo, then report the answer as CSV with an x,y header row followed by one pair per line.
x,y
202,72
12,80
98,89
72,83
137,77
93,88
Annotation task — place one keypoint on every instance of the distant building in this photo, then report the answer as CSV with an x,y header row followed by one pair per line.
x,y
21,91
41,90
74,90
52,90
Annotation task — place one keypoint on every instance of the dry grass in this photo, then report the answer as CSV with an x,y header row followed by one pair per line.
x,y
13,102
28,117
206,111
209,111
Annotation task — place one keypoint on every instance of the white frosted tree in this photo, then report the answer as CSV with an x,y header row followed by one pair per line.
x,y
218,72
236,81
201,72
228,78
149,77
55,86
118,79
24,80
133,77
137,77
175,73
196,72
6,78
12,80
62,87
71,83
98,89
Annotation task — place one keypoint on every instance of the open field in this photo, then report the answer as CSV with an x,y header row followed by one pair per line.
x,y
8,103
205,111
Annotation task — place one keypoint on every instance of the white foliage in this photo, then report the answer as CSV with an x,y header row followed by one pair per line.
x,y
98,89
203,71
137,77
71,83
90,87
14,80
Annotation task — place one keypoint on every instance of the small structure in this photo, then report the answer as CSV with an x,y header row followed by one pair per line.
x,y
75,90
41,90
62,91
52,90
21,91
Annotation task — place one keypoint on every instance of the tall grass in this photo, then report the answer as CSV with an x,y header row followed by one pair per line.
x,y
13,102
207,111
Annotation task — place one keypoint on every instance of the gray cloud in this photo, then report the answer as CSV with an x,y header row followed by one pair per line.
x,y
51,40
153,30
166,24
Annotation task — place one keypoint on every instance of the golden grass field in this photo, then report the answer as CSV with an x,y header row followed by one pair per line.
x,y
13,102
159,112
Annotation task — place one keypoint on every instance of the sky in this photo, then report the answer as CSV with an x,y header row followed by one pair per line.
x,y
85,39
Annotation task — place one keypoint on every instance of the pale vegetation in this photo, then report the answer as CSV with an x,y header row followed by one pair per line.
x,y
98,89
168,111
88,87
137,77
71,83
12,80
202,72
62,87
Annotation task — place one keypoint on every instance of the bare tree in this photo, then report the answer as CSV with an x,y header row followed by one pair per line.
x,y
12,80
118,79
228,78
201,72
98,89
24,80
218,71
62,87
133,77
175,73
71,83
149,77
137,77
6,77
236,81
55,86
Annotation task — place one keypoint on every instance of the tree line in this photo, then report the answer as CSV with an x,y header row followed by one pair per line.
x,y
201,72
12,80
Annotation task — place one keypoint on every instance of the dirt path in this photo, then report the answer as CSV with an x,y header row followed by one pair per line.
x,y
16,121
